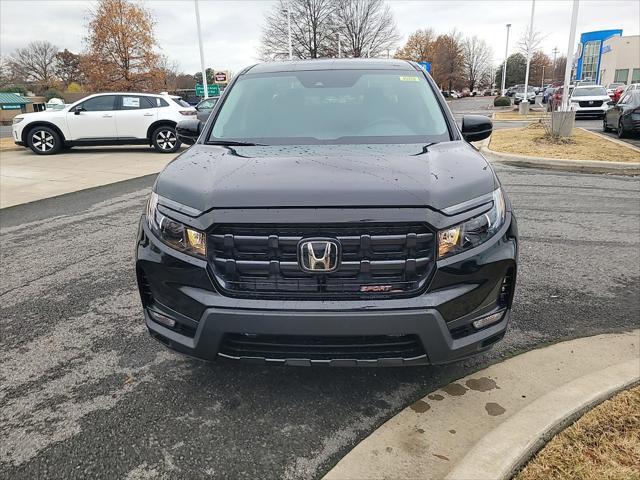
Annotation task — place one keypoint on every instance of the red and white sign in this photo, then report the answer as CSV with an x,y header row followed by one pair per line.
x,y
220,77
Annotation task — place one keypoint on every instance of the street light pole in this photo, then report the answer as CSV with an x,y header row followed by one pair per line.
x,y
289,30
526,75
555,53
542,79
504,65
567,68
204,72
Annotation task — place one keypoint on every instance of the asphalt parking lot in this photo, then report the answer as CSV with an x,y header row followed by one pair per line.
x,y
479,106
86,393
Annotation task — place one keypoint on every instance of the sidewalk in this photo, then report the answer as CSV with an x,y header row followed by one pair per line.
x,y
26,177
430,438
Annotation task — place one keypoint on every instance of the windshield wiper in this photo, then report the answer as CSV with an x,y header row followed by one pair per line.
x,y
232,143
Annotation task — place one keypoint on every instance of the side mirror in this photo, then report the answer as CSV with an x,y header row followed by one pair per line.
x,y
79,109
188,131
476,127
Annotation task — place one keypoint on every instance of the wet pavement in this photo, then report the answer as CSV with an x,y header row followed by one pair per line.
x,y
86,393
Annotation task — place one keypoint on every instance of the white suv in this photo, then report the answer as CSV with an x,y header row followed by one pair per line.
x,y
105,119
592,100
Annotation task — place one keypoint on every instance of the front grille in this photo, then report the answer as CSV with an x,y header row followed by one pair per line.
x,y
377,260
593,103
369,347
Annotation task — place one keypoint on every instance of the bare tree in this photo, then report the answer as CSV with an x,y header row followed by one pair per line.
x,y
368,27
477,60
5,72
313,30
121,45
419,46
35,63
449,59
68,67
530,43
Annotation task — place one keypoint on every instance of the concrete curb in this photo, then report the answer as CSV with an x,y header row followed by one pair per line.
x,y
444,430
503,451
565,164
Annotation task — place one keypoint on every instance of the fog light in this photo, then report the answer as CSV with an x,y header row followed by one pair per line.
x,y
488,320
162,319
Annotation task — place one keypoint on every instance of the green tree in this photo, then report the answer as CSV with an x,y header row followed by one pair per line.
x,y
516,69
198,76
15,89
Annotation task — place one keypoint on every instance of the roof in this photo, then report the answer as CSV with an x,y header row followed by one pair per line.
x,y
332,64
13,98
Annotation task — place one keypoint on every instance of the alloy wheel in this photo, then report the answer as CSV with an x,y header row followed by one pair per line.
x,y
620,129
166,139
42,140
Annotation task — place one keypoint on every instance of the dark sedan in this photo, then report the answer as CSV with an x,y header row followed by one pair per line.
x,y
205,107
624,116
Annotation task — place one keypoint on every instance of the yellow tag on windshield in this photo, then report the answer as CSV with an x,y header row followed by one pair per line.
x,y
409,79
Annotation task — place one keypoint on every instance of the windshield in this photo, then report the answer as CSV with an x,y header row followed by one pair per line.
x,y
521,89
331,107
589,92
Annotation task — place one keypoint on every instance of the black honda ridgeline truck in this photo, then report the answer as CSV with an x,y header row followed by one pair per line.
x,y
329,212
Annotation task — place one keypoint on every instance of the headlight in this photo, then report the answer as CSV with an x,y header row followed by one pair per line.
x,y
17,120
173,233
474,231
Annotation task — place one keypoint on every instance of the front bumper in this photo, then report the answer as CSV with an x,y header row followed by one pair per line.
x,y
464,288
591,111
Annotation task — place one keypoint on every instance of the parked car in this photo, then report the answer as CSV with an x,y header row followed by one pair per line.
x,y
589,100
105,119
631,87
624,116
611,88
511,91
519,95
205,107
300,230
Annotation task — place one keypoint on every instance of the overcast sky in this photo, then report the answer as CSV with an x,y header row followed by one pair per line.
x,y
231,29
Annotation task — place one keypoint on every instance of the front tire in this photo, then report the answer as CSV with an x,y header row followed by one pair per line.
x,y
605,126
44,141
621,132
165,140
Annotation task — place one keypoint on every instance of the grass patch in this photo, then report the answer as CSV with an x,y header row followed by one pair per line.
x,y
602,445
533,141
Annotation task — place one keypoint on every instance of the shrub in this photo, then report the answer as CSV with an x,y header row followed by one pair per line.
x,y
52,93
15,89
73,87
502,102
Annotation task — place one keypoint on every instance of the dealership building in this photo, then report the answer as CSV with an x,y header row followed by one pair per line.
x,y
606,56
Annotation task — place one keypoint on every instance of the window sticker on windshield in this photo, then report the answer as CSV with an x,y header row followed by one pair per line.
x,y
131,102
409,79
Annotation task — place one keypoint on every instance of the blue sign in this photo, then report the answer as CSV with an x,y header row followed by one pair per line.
x,y
426,66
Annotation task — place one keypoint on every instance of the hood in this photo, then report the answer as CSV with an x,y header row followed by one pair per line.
x,y
436,176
